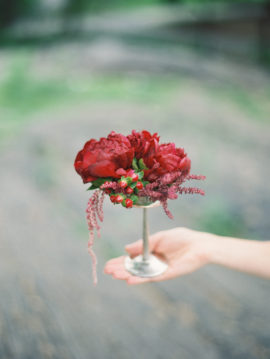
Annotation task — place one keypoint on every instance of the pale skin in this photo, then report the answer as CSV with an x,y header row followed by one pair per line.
x,y
186,250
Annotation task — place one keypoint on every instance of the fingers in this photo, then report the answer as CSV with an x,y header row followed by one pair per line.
x,y
116,268
169,274
120,274
132,280
114,264
135,248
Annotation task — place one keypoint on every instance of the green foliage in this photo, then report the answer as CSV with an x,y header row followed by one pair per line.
x,y
11,10
75,6
135,164
21,90
253,104
142,165
140,175
132,184
211,1
98,182
134,198
24,93
145,183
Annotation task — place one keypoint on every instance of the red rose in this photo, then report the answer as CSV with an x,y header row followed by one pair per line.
x,y
144,143
166,159
104,158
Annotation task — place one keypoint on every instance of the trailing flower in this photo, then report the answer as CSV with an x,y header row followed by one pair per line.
x,y
129,168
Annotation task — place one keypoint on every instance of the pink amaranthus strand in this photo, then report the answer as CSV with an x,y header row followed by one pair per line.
x,y
115,186
94,209
195,177
190,190
100,207
168,187
166,209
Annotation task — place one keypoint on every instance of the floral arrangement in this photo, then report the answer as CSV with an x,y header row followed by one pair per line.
x,y
133,169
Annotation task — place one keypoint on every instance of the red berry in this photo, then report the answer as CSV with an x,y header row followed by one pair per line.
x,y
112,198
139,185
134,177
129,203
107,191
129,190
118,198
123,184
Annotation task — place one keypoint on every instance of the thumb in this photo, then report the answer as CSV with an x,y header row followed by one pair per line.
x,y
136,248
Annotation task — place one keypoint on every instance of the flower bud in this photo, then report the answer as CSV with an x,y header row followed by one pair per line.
x,y
129,190
123,184
112,198
128,203
134,177
139,185
119,198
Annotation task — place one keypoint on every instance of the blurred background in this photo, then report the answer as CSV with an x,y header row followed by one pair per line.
x,y
195,71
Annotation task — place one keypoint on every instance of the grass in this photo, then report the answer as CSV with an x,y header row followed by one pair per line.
x,y
24,94
222,219
118,4
255,106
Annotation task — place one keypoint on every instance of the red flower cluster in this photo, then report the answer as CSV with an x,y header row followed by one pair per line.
x,y
130,169
113,156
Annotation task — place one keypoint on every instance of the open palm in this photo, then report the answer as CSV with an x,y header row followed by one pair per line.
x,y
181,248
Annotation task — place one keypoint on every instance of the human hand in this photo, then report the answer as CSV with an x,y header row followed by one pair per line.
x,y
183,249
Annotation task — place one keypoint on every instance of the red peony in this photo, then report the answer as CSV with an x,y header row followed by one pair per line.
x,y
167,158
144,143
159,159
104,158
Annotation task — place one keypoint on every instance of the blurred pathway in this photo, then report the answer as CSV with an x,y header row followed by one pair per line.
x,y
49,308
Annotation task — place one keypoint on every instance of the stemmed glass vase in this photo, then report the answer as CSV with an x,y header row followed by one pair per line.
x,y
145,265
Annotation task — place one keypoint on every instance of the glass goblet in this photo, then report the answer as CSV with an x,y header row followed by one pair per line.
x,y
147,264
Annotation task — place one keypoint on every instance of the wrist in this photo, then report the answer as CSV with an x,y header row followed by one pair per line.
x,y
208,247
220,249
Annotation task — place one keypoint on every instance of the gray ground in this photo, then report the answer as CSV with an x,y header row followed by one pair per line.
x,y
49,307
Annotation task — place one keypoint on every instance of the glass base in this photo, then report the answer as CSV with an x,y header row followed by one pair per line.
x,y
145,268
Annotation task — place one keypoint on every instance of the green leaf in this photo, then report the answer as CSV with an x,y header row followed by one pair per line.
x,y
133,185
145,183
134,198
135,164
99,182
140,175
142,165
127,179
123,179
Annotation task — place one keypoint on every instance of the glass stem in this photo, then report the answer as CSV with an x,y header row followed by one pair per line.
x,y
145,236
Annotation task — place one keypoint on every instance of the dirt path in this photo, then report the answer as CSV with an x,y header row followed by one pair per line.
x,y
49,308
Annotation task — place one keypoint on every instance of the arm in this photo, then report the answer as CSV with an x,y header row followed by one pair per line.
x,y
186,250
244,255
